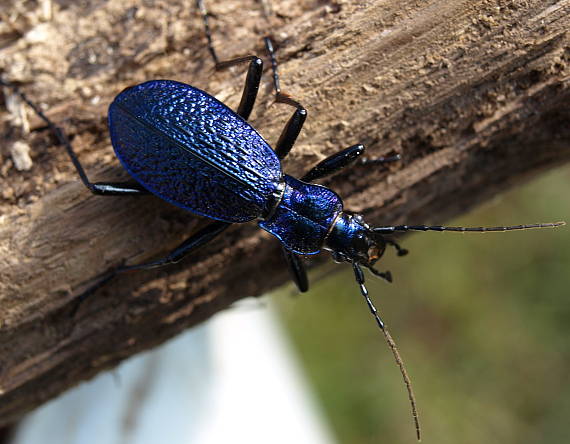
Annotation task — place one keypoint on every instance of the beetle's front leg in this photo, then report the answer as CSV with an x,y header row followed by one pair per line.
x,y
297,269
342,159
334,163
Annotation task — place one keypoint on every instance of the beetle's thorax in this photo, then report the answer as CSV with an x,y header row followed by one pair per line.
x,y
351,239
301,215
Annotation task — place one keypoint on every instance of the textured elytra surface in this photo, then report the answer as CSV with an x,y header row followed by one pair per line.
x,y
304,216
193,151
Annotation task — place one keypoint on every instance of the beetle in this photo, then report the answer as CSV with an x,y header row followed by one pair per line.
x,y
186,147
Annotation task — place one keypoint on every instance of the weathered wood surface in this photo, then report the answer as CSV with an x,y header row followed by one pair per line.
x,y
474,95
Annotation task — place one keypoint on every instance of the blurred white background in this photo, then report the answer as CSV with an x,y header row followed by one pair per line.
x,y
233,379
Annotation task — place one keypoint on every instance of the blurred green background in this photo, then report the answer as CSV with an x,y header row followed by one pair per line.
x,y
481,320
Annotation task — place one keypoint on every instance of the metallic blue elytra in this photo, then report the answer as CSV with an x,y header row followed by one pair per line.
x,y
191,150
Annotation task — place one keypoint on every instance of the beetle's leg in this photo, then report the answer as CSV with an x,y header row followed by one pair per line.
x,y
386,275
286,141
101,188
280,96
295,123
251,82
401,251
206,19
297,269
253,73
198,239
342,159
293,128
334,163
290,133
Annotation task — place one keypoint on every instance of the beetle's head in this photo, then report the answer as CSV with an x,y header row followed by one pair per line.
x,y
351,239
367,246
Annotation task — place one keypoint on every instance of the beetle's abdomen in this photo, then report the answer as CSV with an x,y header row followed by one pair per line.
x,y
304,216
193,151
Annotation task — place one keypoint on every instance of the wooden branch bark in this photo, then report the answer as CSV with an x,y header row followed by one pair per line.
x,y
473,94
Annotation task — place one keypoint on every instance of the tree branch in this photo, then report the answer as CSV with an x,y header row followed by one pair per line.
x,y
473,95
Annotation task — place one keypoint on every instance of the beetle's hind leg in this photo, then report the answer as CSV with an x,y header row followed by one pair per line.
x,y
206,19
195,241
251,82
254,71
280,96
290,133
295,124
251,88
100,188
202,237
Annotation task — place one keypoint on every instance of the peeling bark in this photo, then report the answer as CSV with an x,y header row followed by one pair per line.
x,y
473,94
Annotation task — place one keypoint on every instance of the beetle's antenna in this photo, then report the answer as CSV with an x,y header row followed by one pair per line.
x,y
359,275
399,228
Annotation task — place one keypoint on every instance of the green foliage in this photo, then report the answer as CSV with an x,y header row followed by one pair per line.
x,y
481,321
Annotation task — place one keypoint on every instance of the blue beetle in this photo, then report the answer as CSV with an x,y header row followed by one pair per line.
x,y
188,148
191,150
